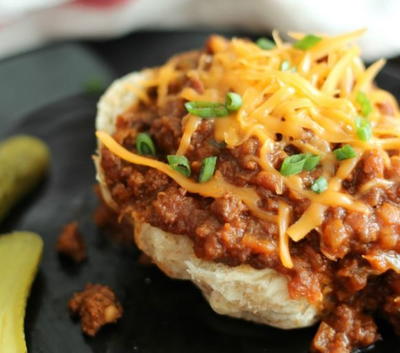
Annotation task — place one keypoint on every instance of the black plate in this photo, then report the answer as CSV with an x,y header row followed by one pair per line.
x,y
161,315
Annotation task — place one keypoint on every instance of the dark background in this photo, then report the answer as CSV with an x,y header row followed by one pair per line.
x,y
43,93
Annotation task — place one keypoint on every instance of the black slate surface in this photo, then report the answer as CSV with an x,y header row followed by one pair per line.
x,y
161,315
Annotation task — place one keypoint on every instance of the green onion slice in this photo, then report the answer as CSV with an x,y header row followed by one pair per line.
x,y
206,109
145,145
299,162
344,152
319,185
180,164
207,169
293,164
265,43
307,42
364,103
311,162
233,101
364,129
286,66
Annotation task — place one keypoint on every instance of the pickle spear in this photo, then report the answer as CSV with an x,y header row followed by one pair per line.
x,y
20,254
23,162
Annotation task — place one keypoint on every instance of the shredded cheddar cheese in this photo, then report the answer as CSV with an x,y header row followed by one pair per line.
x,y
191,123
313,109
284,219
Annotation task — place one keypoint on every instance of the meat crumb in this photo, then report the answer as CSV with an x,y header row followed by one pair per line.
x,y
71,243
345,329
97,305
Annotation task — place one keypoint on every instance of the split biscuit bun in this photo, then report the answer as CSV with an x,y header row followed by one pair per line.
x,y
243,292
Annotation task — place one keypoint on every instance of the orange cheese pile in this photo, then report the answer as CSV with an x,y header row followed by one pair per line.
x,y
320,96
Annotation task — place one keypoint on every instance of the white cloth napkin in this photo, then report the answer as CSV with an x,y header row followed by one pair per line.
x,y
25,24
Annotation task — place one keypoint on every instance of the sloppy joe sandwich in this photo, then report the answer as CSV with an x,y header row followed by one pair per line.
x,y
267,173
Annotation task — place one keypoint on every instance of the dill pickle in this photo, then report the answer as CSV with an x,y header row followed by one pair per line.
x,y
23,162
20,254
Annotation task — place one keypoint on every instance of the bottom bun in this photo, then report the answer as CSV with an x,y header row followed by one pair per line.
x,y
242,292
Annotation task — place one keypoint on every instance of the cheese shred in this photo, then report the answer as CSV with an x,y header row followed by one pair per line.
x,y
312,107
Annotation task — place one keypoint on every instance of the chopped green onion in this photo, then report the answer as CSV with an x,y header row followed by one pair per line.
x,y
233,101
319,185
364,129
311,162
364,102
307,42
207,169
285,66
265,43
344,152
299,162
206,109
180,164
293,164
145,145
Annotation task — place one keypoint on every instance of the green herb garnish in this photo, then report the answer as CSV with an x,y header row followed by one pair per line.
x,y
206,109
364,103
145,145
233,101
207,169
286,66
344,152
180,164
364,129
311,162
265,43
299,162
307,42
319,185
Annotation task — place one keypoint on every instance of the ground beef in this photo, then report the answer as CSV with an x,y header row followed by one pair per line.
x,y
373,165
331,262
96,306
362,226
343,330
352,276
335,237
227,208
71,244
167,131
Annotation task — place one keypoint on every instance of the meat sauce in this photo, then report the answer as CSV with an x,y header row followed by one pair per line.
x,y
96,306
327,263
71,244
